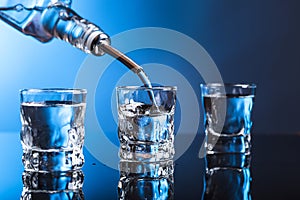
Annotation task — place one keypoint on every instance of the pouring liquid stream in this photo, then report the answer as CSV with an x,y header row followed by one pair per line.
x,y
138,70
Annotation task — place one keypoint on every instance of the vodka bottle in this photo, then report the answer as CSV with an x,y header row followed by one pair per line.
x,y
48,19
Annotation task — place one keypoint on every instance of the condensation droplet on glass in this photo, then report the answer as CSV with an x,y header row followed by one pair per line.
x,y
35,182
63,14
19,7
129,126
73,135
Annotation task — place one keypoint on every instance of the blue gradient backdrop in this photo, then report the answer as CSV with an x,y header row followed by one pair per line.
x,y
250,41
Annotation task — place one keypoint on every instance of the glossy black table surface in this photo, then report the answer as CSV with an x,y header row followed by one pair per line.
x,y
273,173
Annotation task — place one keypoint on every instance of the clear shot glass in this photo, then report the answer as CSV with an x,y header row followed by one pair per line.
x,y
52,133
146,122
227,111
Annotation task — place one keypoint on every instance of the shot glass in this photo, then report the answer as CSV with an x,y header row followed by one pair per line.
x,y
228,123
52,133
146,122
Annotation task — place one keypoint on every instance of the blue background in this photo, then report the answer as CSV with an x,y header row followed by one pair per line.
x,y
250,41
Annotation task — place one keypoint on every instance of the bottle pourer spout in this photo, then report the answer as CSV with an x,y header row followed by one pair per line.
x,y
98,39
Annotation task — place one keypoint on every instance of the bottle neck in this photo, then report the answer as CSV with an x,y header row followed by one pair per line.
x,y
63,23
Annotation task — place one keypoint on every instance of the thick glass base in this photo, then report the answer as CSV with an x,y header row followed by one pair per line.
x,y
52,160
228,144
147,151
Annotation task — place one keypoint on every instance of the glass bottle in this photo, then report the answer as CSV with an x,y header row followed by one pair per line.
x,y
48,19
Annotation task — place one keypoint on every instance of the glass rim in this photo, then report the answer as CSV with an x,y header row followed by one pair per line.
x,y
241,85
53,90
167,88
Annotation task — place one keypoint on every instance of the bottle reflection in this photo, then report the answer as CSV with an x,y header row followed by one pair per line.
x,y
54,185
146,180
228,177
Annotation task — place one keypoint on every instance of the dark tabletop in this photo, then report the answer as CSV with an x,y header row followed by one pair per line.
x,y
270,172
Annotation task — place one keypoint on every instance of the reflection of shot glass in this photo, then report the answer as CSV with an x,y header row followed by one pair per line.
x,y
52,134
52,185
228,117
146,122
146,180
228,177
